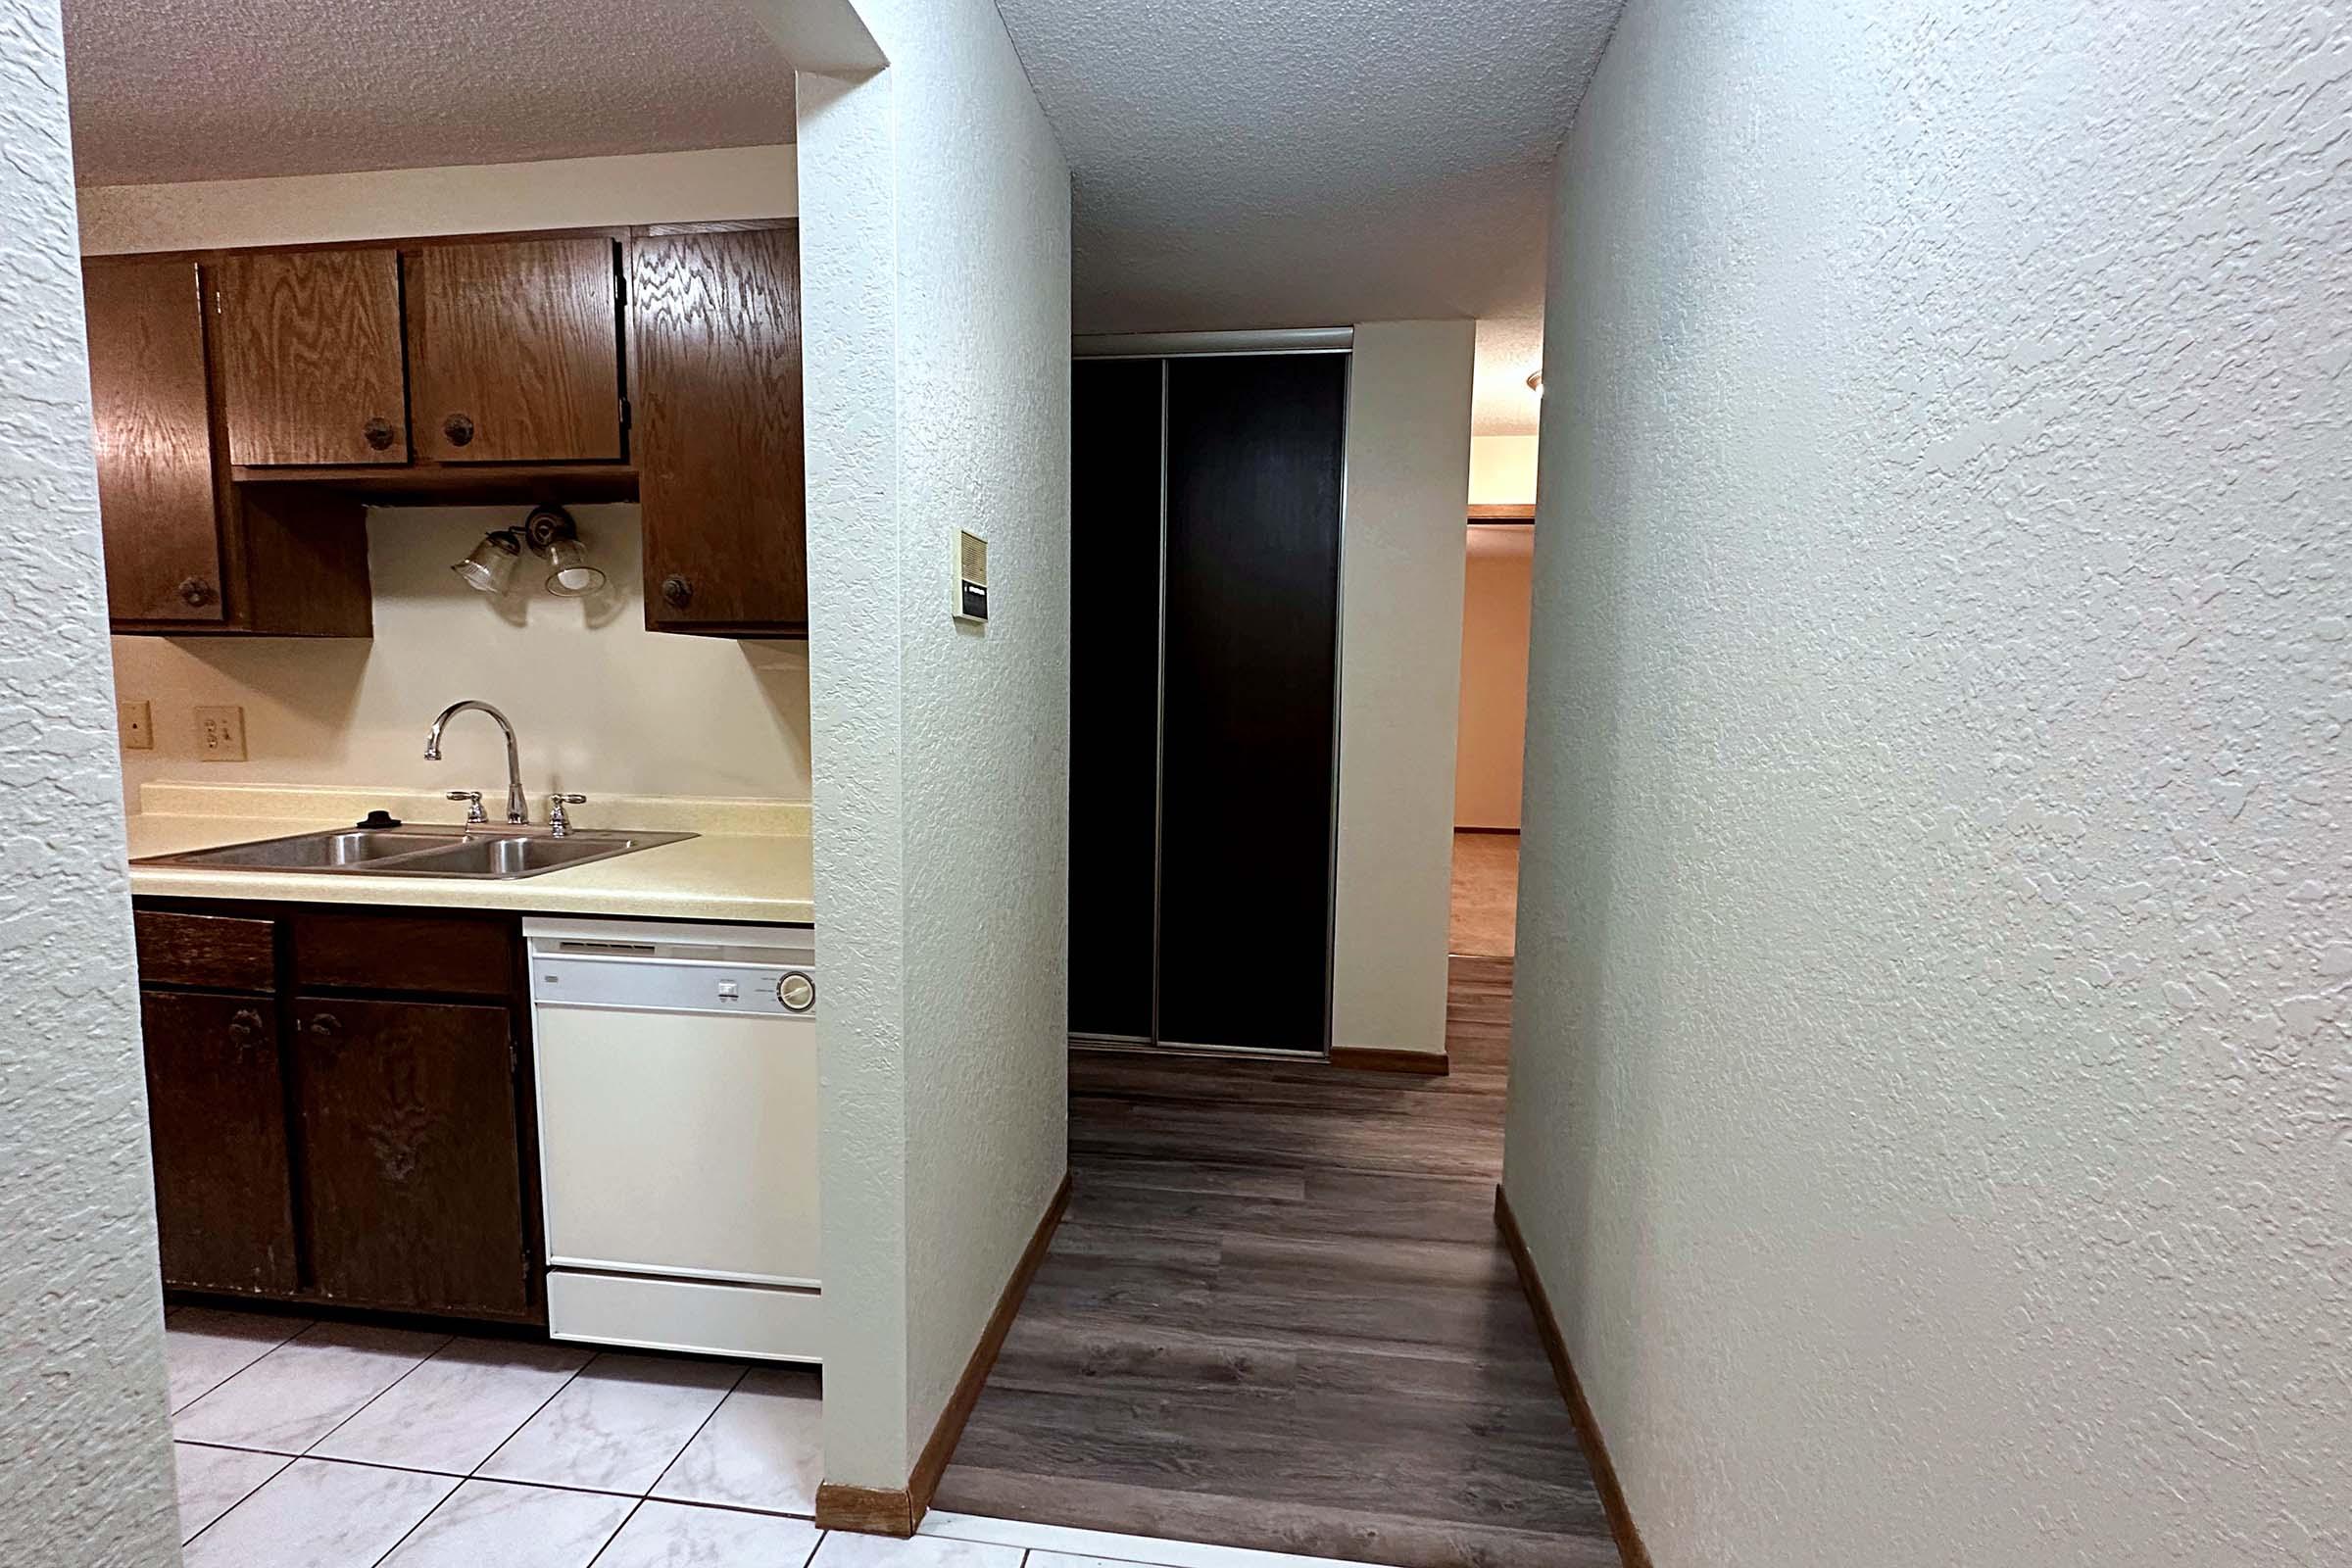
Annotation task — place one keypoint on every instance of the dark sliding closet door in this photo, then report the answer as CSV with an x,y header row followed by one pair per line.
x,y
1114,693
1256,448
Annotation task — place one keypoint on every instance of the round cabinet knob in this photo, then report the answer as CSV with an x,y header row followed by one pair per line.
x,y
244,1027
378,432
195,592
797,991
459,429
676,592
326,1025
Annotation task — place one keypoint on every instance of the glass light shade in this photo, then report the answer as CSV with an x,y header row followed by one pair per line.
x,y
568,572
490,566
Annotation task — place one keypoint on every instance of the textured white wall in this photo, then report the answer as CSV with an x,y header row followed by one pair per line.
x,y
466,199
1400,639
1929,1090
82,1345
1503,468
936,241
600,704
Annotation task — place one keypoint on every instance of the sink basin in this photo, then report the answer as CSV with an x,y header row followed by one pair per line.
x,y
345,850
522,857
498,854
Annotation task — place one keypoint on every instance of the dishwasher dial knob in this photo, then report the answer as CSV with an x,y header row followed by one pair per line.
x,y
797,991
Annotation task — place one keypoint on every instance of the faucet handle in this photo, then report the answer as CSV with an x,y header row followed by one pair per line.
x,y
558,822
474,804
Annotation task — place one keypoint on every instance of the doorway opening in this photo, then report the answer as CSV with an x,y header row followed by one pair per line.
x,y
1491,739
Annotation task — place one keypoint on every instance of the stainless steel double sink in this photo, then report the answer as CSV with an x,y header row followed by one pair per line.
x,y
501,853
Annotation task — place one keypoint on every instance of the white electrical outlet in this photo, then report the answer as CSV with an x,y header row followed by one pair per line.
x,y
221,734
135,724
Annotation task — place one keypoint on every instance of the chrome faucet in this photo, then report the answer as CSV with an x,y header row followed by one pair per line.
x,y
519,809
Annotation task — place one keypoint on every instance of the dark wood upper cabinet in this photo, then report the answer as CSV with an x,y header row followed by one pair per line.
x,y
515,351
217,1125
310,357
156,473
251,404
186,551
410,1156
716,360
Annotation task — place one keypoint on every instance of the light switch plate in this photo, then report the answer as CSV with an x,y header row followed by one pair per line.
x,y
221,734
134,722
971,577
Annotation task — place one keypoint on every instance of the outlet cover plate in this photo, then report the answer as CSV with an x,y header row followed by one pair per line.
x,y
134,722
221,734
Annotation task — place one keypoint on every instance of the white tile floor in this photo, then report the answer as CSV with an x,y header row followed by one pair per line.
x,y
326,1445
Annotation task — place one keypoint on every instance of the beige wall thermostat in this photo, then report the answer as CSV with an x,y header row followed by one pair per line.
x,y
971,576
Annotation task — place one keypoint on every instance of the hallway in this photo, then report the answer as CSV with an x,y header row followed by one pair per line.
x,y
1485,895
1278,1316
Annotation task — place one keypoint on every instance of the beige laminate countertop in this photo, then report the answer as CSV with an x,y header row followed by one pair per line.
x,y
717,877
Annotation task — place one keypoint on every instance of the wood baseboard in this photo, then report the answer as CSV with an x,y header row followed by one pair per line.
x,y
889,1511
1512,831
1380,1059
865,1511
1502,511
1597,1451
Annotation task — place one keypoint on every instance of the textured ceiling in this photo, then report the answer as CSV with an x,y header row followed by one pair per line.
x,y
1509,350
1236,164
228,89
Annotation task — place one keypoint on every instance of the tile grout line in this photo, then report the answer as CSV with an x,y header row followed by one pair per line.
x,y
616,1534
504,1481
239,1372
742,1372
477,1472
447,1340
446,1475
439,1503
239,1503
635,1499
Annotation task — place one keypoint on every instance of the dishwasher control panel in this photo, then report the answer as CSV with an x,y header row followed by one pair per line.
x,y
702,969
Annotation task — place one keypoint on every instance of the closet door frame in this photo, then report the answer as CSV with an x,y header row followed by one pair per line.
x,y
1166,347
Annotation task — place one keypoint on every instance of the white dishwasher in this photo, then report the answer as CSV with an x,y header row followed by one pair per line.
x,y
677,1089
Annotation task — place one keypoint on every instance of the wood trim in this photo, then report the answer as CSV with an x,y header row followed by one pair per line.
x,y
1381,1058
481,483
865,1511
1502,511
410,242
1588,1430
886,1511
1460,828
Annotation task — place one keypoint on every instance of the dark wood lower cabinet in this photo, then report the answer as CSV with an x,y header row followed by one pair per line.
x,y
216,1122
409,1154
335,1129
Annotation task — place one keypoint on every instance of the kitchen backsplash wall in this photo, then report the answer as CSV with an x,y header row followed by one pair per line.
x,y
599,702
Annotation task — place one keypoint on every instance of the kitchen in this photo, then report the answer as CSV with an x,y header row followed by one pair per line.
x,y
460,574
530,1051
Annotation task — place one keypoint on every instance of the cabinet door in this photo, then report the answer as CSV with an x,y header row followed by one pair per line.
x,y
717,366
156,493
310,357
410,1155
217,1121
515,351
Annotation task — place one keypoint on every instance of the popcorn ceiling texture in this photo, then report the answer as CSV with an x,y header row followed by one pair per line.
x,y
935,238
1310,164
1932,1081
231,89
82,1351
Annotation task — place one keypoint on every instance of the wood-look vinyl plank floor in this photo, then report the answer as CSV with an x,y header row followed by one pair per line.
x,y
1277,1315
